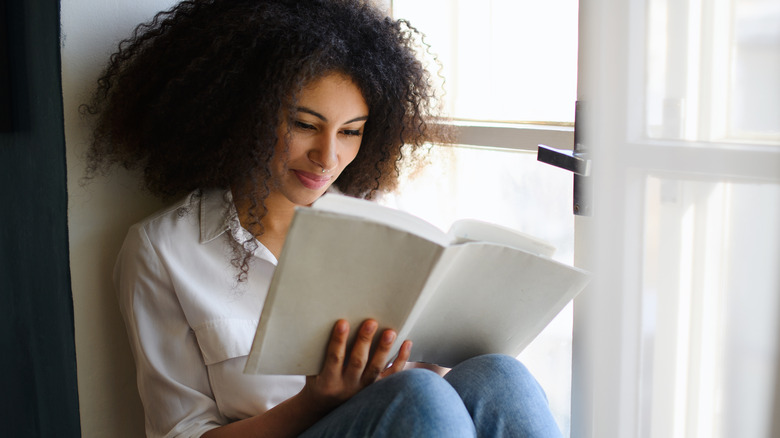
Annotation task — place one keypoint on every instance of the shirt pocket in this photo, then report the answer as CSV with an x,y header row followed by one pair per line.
x,y
225,339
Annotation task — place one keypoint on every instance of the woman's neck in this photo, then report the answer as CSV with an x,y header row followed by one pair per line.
x,y
275,223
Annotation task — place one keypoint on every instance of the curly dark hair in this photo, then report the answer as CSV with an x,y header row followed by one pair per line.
x,y
194,98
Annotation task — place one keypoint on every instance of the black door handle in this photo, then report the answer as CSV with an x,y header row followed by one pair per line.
x,y
576,161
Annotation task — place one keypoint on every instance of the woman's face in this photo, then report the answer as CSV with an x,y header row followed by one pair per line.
x,y
324,138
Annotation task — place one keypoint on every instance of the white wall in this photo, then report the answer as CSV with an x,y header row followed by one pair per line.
x,y
98,217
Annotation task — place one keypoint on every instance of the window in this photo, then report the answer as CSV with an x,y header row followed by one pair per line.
x,y
678,337
502,60
509,70
710,65
709,307
709,284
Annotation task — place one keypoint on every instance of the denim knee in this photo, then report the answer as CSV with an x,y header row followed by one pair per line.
x,y
425,405
495,363
412,403
503,397
423,388
494,370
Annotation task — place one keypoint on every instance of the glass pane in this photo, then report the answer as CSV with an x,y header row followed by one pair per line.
x,y
756,66
512,189
713,69
711,306
503,60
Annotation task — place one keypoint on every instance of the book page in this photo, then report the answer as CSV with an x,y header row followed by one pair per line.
x,y
332,267
472,230
372,211
493,300
441,270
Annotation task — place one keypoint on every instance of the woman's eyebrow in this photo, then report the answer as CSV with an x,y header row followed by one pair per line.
x,y
303,109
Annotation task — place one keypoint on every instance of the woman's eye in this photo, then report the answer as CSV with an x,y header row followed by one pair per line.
x,y
352,132
304,125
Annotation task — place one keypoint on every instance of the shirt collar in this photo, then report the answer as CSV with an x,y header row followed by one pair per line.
x,y
217,214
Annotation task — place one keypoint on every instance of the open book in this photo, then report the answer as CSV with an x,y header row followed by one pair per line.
x,y
477,289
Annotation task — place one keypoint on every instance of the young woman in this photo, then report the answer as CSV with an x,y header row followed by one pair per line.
x,y
244,109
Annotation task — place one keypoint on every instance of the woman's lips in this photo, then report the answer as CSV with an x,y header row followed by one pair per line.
x,y
312,181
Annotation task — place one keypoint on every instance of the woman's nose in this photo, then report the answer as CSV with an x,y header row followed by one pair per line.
x,y
325,153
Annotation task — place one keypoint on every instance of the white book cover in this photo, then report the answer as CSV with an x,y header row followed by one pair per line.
x,y
480,288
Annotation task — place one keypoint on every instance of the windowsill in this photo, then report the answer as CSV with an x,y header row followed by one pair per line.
x,y
513,136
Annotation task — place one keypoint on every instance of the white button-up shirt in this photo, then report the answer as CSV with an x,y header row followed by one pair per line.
x,y
189,320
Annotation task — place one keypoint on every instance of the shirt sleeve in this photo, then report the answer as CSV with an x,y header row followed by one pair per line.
x,y
172,377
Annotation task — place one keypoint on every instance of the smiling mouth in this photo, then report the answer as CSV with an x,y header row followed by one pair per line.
x,y
312,180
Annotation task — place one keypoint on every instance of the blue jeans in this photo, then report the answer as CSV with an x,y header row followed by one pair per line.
x,y
487,396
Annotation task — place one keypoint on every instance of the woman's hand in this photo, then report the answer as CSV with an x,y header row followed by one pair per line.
x,y
343,377
340,379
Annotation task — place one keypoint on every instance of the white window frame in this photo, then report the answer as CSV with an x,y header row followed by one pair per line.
x,y
608,399
520,137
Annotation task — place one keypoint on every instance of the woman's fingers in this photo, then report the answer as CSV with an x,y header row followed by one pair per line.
x,y
337,347
365,362
400,360
361,350
379,359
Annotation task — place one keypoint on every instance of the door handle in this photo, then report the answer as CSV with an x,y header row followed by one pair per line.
x,y
566,159
576,161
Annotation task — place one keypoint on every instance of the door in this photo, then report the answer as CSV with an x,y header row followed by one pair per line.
x,y
678,335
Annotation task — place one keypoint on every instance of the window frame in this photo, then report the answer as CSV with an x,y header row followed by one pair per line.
x,y
513,136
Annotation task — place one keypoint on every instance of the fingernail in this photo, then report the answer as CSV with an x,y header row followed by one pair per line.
x,y
369,326
388,337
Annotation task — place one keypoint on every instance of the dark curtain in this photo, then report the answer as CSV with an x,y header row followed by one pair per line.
x,y
38,364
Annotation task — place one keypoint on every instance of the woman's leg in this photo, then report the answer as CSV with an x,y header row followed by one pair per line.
x,y
503,398
412,403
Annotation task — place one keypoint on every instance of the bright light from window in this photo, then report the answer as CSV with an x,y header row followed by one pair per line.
x,y
709,66
503,60
711,308
514,190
